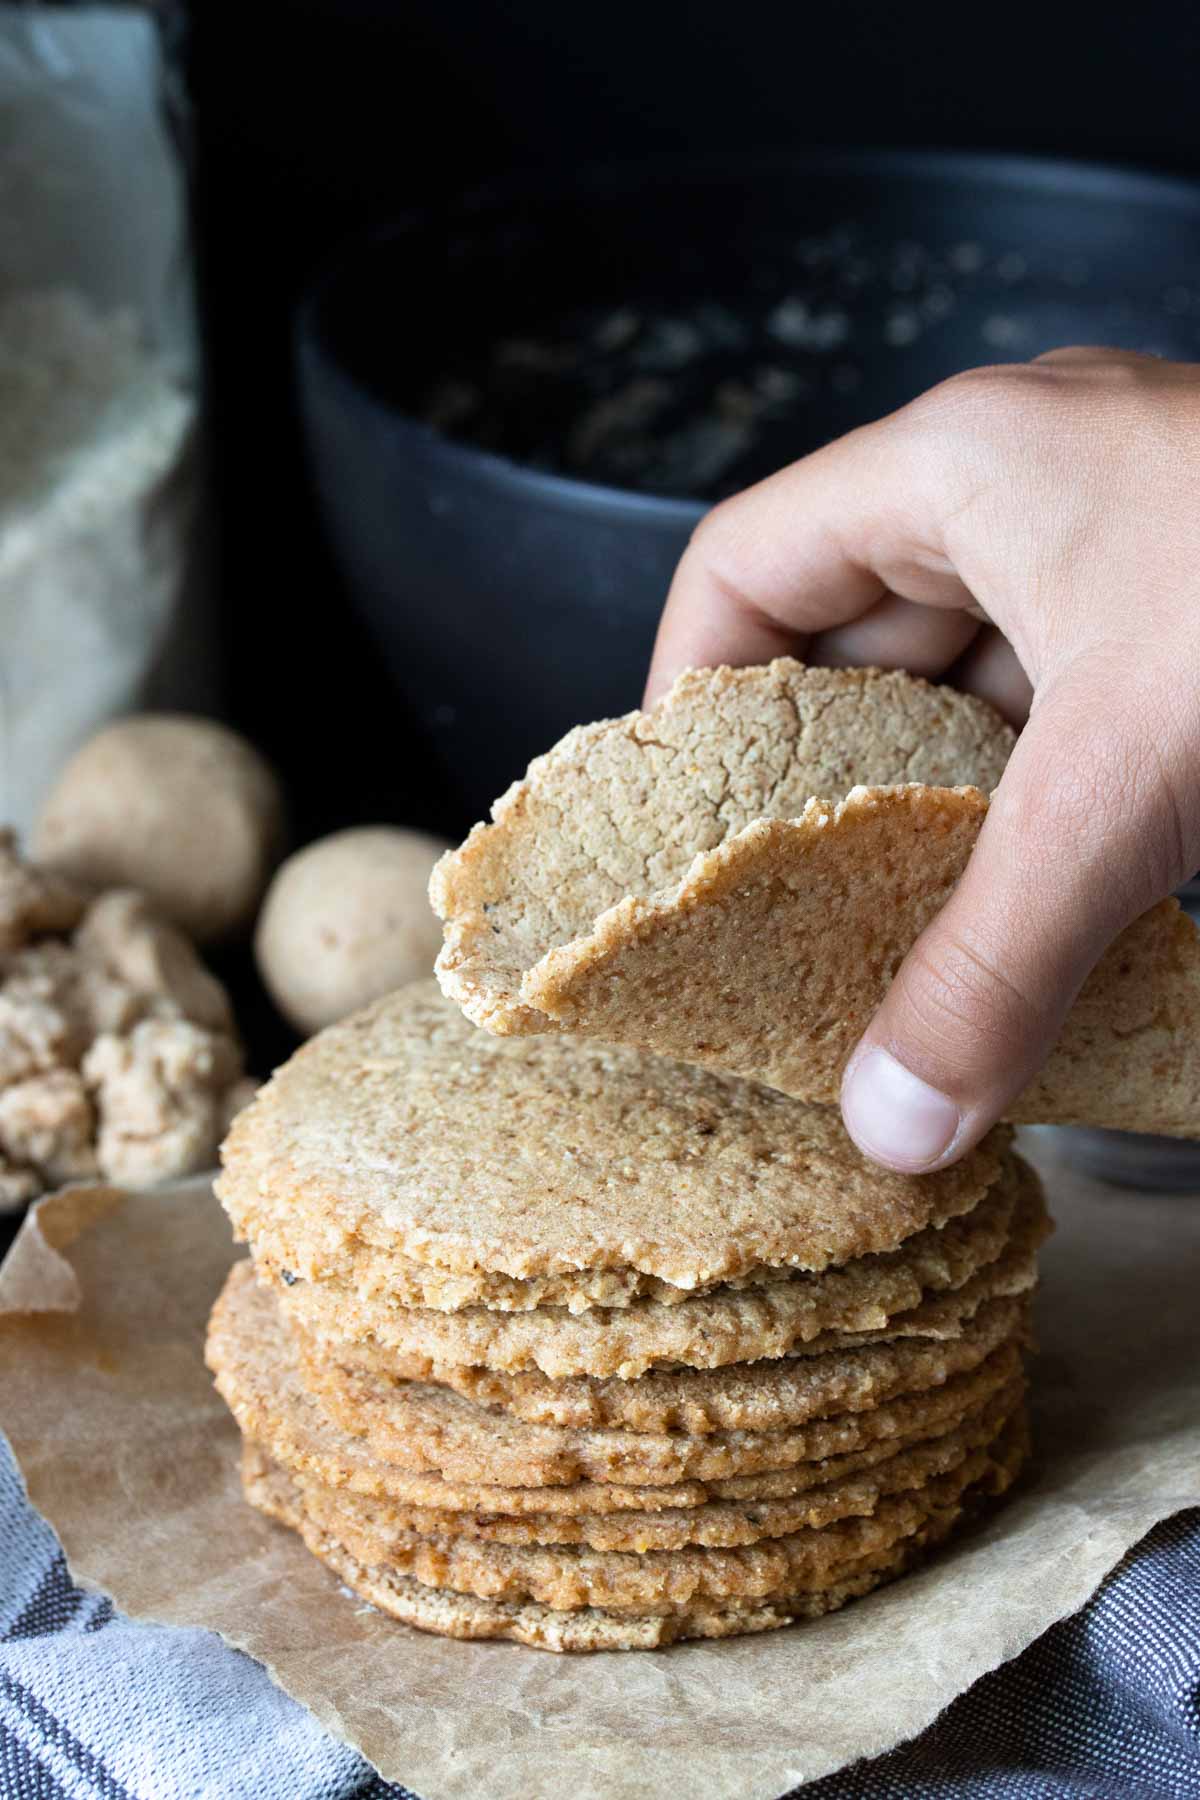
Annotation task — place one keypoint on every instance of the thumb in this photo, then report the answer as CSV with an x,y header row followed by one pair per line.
x,y
1085,832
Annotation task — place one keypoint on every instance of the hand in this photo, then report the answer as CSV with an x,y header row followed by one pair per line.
x,y
1059,500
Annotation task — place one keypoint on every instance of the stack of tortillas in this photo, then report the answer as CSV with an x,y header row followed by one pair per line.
x,y
593,1329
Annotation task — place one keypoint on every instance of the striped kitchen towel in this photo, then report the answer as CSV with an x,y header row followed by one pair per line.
x,y
93,1707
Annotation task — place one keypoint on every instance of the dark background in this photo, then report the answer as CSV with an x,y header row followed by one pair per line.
x,y
314,119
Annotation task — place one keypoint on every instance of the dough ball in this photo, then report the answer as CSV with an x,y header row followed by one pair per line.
x,y
180,807
347,919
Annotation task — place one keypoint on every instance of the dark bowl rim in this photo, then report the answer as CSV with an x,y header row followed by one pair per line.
x,y
1086,178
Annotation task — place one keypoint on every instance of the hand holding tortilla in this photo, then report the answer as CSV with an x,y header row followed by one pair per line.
x,y
1020,530
762,945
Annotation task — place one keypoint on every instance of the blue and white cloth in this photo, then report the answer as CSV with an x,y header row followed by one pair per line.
x,y
93,1707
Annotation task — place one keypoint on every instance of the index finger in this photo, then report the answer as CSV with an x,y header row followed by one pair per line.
x,y
813,547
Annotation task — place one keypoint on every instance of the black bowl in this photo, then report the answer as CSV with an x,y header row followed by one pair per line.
x,y
510,602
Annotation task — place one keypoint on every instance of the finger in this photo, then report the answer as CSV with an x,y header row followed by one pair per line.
x,y
1101,357
820,543
812,548
989,669
896,634
1083,834
718,624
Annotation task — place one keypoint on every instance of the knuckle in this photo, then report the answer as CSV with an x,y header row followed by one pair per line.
x,y
1086,358
961,1008
1080,797
962,431
716,548
711,531
974,397
1120,787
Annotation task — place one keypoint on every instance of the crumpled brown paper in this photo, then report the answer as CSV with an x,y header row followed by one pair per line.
x,y
130,1455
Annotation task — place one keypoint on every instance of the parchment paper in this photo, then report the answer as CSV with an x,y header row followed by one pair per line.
x,y
130,1455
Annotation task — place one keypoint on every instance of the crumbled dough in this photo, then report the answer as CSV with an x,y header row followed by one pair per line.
x,y
48,1121
159,1093
122,941
118,1056
35,1033
32,900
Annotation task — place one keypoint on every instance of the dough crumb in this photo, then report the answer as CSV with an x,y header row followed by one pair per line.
x,y
158,1093
48,1122
118,1052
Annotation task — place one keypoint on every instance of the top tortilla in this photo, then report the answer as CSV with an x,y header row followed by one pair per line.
x,y
621,808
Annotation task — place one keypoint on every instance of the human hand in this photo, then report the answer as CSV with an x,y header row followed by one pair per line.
x,y
1059,500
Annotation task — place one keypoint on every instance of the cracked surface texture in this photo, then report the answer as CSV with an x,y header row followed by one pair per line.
x,y
622,807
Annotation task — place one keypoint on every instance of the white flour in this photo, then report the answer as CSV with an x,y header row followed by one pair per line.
x,y
97,486
95,511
